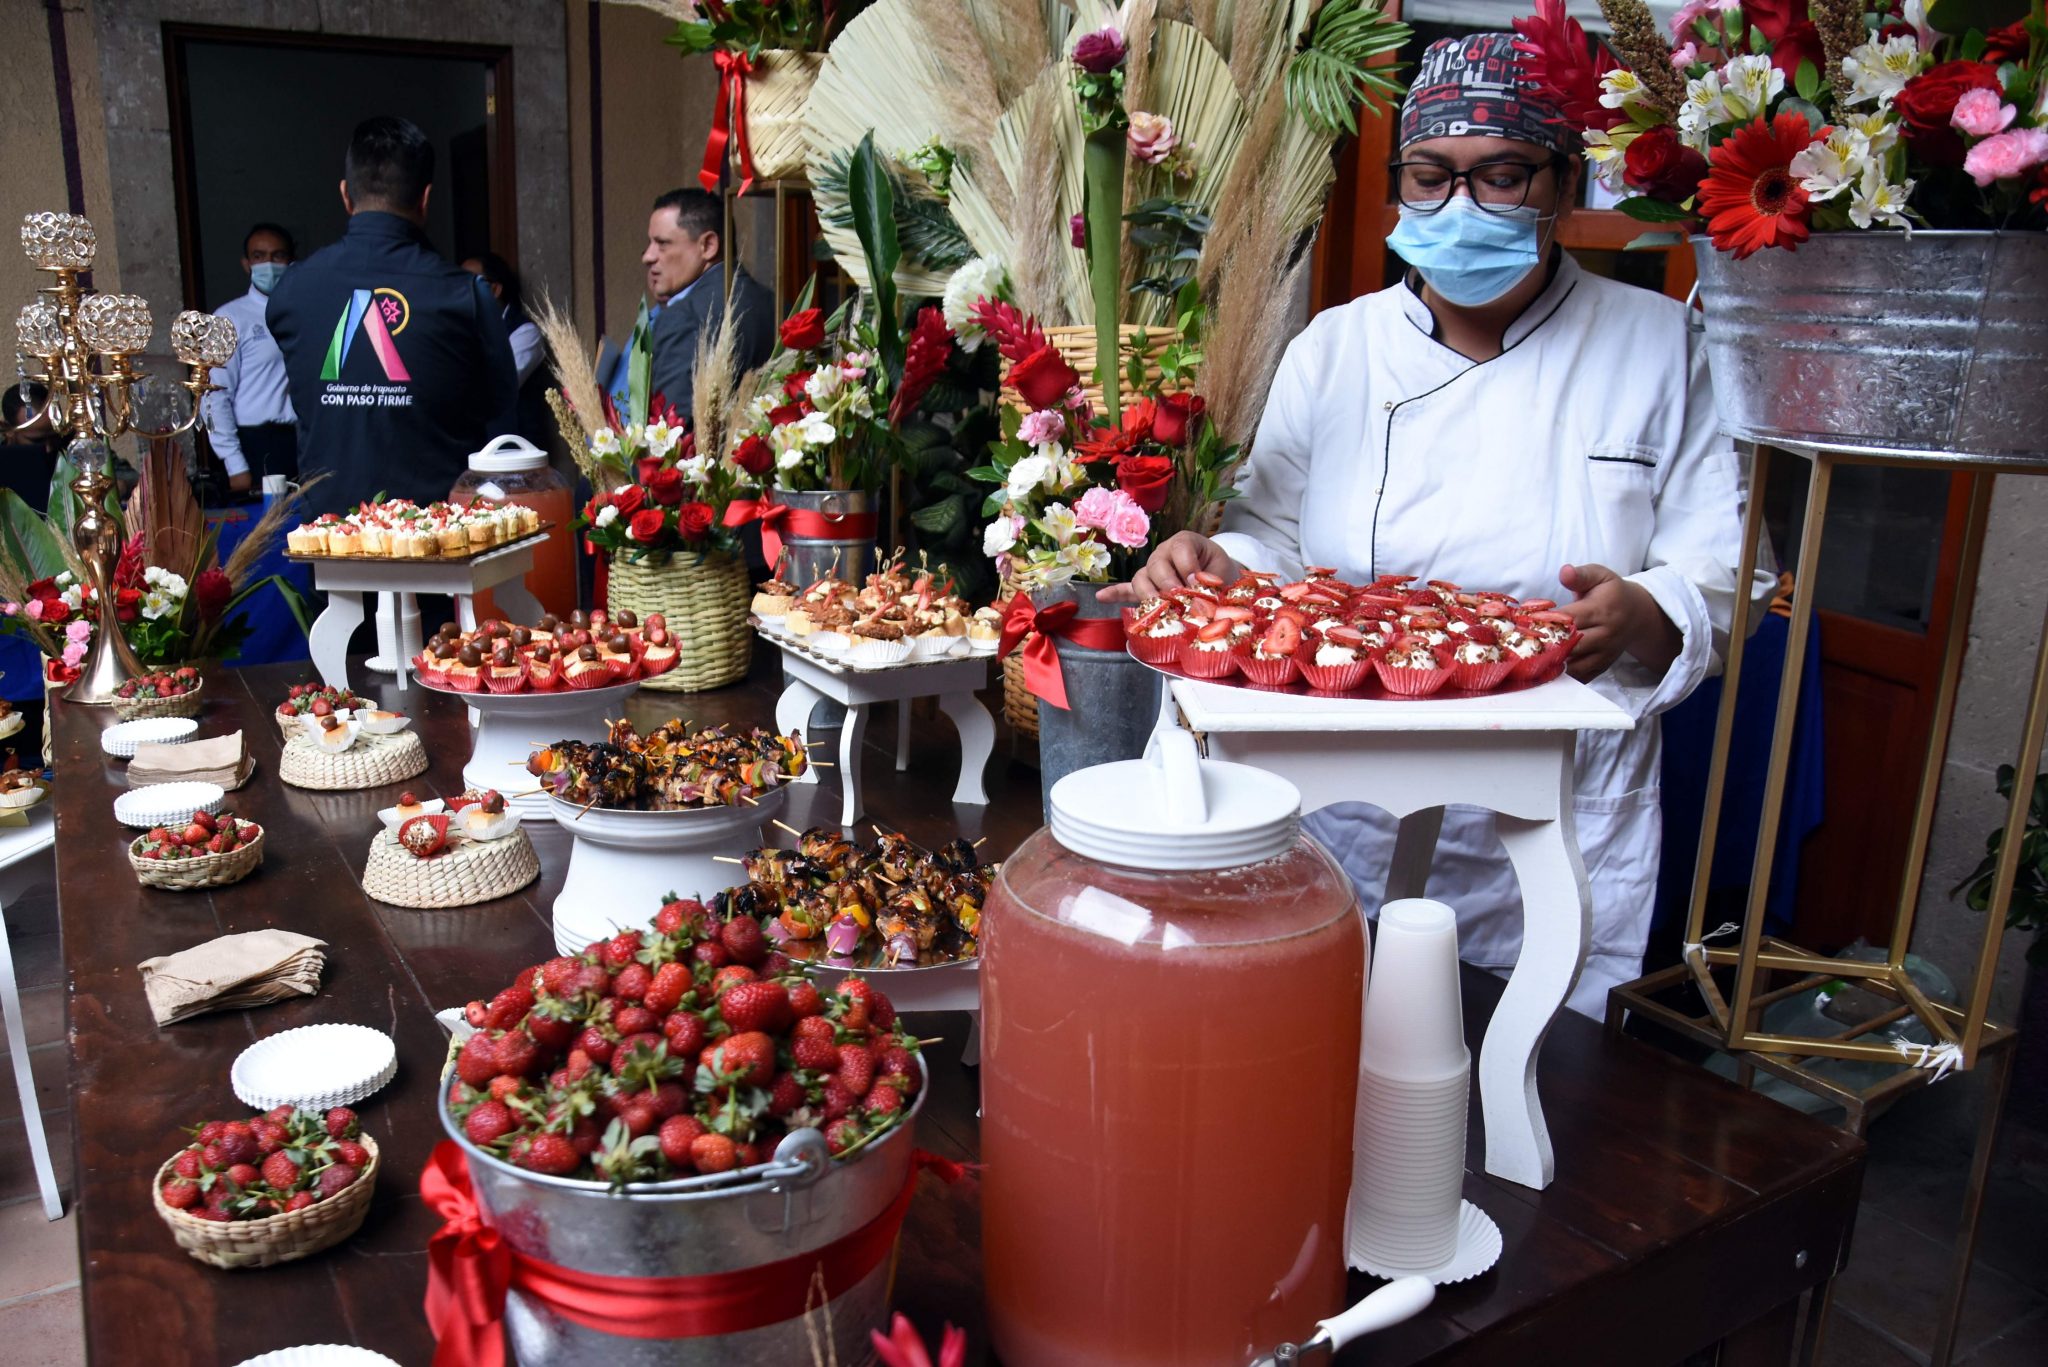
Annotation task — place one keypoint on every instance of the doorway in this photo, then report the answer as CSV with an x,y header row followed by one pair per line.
x,y
260,120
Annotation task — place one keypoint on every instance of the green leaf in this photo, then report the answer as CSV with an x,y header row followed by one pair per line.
x,y
28,538
942,518
1643,242
1807,81
1646,210
987,474
1973,49
1814,118
1960,16
874,221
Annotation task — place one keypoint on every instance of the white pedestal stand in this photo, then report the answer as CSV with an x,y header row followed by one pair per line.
x,y
398,632
346,581
623,865
1510,753
508,724
809,679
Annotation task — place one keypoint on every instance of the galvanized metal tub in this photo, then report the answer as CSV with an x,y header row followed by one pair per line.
x,y
799,1202
1113,699
1932,342
813,558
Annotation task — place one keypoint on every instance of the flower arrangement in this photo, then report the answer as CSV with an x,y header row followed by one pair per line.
x,y
1773,119
821,420
668,497
754,26
1081,497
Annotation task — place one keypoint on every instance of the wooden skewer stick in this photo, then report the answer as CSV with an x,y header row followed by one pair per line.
x,y
726,859
928,1043
979,843
787,827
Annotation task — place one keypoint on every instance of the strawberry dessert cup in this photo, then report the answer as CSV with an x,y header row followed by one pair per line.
x,y
1341,663
1154,632
1210,653
1479,664
1412,667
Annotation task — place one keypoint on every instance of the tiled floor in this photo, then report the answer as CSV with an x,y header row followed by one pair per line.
x,y
1884,1310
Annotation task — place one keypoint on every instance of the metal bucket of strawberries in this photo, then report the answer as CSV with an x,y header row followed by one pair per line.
x,y
689,1148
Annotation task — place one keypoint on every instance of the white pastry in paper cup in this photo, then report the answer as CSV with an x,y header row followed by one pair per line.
x,y
121,739
14,799
344,735
314,1067
319,1355
378,723
478,824
867,650
162,803
828,642
393,818
11,724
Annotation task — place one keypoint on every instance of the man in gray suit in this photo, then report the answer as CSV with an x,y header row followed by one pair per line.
x,y
685,261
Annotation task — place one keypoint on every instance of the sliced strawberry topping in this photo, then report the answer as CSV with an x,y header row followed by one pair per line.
x,y
1282,638
1538,605
1206,579
1233,612
1158,611
1345,636
1217,630
1552,616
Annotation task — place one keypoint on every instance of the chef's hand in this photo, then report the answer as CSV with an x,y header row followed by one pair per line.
x,y
1178,557
1615,617
243,482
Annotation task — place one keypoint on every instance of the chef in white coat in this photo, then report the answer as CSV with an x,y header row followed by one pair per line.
x,y
1504,420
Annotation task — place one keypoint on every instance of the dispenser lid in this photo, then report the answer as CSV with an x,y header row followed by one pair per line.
x,y
1175,810
506,455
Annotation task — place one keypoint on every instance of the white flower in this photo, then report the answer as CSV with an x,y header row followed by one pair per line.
x,y
155,605
998,537
604,443
606,516
1619,87
1604,155
1825,169
1748,85
759,407
1089,558
1057,522
72,598
1877,200
981,278
816,429
824,384
1878,129
1703,108
1026,476
790,459
661,438
694,468
862,403
1880,68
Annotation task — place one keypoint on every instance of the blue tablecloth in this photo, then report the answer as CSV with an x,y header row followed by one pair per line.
x,y
274,635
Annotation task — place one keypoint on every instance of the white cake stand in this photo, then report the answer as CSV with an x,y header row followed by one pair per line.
x,y
623,865
509,724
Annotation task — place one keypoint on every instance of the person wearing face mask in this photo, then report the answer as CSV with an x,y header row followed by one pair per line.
x,y
249,419
1504,420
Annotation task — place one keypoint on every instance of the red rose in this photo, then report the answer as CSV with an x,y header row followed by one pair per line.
x,y
127,605
1928,101
1043,378
629,499
754,455
1100,53
55,612
2008,44
42,588
693,520
594,507
1147,479
647,525
211,589
787,414
793,387
804,331
1173,418
1660,165
644,469
666,487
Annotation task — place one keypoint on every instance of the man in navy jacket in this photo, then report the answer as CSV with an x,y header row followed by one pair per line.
x,y
397,359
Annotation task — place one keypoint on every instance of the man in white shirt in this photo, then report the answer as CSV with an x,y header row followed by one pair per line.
x,y
250,420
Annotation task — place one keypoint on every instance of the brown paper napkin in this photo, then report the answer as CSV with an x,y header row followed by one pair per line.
x,y
217,759
232,972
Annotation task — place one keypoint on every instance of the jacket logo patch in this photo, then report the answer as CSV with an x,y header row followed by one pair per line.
x,y
379,314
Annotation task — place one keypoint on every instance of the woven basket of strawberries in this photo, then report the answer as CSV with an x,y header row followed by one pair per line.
x,y
312,700
206,852
160,693
278,1186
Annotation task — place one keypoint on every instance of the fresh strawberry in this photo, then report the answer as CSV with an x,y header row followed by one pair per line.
x,y
244,1174
342,1123
883,1102
621,949
776,965
856,1071
1217,629
665,991
205,821
335,1179
300,1200
489,1123
281,1170
1283,637
743,939
631,982
750,1056
596,1045
213,1156
504,1088
639,1115
711,954
671,1098
854,995
181,1193
517,1054
842,1135
786,1094
187,1164
551,1154
713,1153
677,1134
352,1153
238,1143
555,974
817,1055
837,1100
196,834
747,1153
881,1011
729,977
806,1000
477,1061
552,1024
1206,580
756,1006
685,1032
816,1027
669,919
507,1009
634,1020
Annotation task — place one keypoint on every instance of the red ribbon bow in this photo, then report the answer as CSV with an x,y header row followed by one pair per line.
x,y
1036,627
779,520
729,121
470,1269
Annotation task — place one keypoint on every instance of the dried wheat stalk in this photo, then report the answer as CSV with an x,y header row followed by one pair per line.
x,y
1840,23
575,372
1639,42
262,537
712,385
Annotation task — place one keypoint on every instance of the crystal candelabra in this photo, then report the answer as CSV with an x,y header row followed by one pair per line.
x,y
80,346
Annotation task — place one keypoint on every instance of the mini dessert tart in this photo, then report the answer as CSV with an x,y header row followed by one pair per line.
x,y
798,620
466,671
1478,663
984,630
543,669
1555,633
658,652
423,837
1272,661
487,819
332,735
773,600
376,722
617,653
1210,653
505,673
19,788
1412,667
409,806
585,670
1154,631
1341,662
344,539
877,642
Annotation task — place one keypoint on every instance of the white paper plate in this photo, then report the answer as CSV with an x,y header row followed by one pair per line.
x,y
314,1067
320,1355
161,803
431,807
120,739
11,723
1479,1245
389,725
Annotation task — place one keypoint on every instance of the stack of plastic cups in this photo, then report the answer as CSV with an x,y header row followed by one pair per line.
x,y
1408,1150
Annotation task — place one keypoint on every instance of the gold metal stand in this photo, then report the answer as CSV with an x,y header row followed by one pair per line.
x,y
1731,1019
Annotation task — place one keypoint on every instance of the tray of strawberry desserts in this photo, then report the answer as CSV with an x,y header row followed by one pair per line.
x,y
1392,640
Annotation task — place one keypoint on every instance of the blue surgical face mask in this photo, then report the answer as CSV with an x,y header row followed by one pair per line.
x,y
264,275
1469,256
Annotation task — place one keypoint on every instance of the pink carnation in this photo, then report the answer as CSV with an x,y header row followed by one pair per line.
x,y
1042,427
1115,514
34,608
74,653
1980,113
78,630
1684,55
1694,9
2007,154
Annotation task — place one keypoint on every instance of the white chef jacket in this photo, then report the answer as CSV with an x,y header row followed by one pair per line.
x,y
252,385
1591,439
526,345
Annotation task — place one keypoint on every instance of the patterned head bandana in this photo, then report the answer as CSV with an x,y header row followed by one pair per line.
x,y
1473,87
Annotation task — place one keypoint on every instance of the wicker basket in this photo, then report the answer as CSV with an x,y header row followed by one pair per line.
x,y
704,599
275,1239
372,762
471,872
292,725
206,871
1076,346
777,91
180,705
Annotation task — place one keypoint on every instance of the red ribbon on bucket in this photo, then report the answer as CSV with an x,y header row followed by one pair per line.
x,y
779,520
729,121
1042,673
470,1268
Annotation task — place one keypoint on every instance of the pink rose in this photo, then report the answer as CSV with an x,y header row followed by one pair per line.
x,y
78,630
1980,113
1151,137
2007,154
73,653
1042,427
1684,56
34,609
1115,514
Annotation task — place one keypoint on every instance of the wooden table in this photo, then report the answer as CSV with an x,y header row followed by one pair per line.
x,y
1685,1211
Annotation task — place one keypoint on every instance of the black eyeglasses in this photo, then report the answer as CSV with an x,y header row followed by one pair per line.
x,y
1498,187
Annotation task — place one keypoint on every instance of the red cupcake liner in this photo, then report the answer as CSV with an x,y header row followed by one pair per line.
x,y
652,664
1474,678
1335,678
1411,683
427,668
1208,664
1545,663
544,678
1275,672
620,666
1157,650
586,678
515,684
470,681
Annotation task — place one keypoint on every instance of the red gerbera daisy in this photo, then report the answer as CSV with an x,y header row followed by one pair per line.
x,y
1750,197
